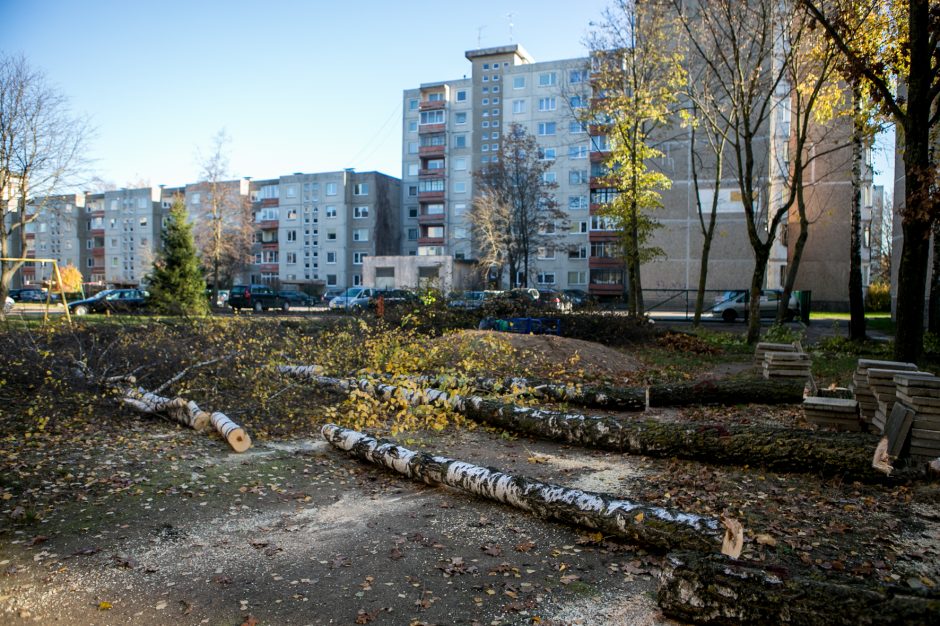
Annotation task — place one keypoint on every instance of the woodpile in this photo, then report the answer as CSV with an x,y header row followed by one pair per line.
x,y
881,384
794,365
836,413
867,403
920,392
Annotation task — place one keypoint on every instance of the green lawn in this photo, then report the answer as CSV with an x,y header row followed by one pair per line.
x,y
881,322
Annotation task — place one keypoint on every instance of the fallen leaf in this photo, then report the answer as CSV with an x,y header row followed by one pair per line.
x,y
104,606
525,546
766,540
492,549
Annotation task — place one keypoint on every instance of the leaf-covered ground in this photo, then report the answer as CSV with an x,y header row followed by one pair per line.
x,y
110,517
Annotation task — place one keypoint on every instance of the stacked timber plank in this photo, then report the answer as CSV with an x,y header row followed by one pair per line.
x,y
920,391
787,365
881,384
867,403
764,347
838,413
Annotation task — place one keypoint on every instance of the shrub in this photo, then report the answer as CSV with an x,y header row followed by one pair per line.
x,y
878,298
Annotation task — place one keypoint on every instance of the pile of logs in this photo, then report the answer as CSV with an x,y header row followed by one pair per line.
x,y
837,413
921,393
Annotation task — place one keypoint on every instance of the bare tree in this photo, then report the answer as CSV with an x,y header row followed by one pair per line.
x,y
41,152
223,220
514,207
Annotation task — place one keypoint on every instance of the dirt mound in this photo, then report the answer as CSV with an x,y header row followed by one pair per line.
x,y
546,354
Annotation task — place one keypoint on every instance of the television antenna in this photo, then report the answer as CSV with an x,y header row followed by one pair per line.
x,y
509,17
479,35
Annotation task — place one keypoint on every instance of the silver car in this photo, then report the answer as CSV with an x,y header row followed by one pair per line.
x,y
733,305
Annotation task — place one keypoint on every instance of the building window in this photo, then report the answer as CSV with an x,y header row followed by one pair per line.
x,y
577,177
461,96
547,104
518,106
331,257
579,252
331,280
576,203
432,117
548,79
460,118
291,258
576,128
412,126
545,278
549,178
361,189
577,76
360,234
435,185
577,278
413,169
413,147
412,190
577,102
460,187
412,234
331,189
577,152
331,211
545,253
292,235
437,96
460,164
358,257
547,154
331,235
360,212
485,101
460,208
412,211
357,280
546,128
460,141
518,82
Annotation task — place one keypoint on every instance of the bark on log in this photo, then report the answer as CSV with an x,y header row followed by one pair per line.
x,y
234,434
728,392
177,409
710,589
639,522
778,449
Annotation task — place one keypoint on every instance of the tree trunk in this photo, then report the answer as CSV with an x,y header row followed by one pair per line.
x,y
711,589
933,310
778,449
234,434
728,392
856,297
761,254
912,278
644,524
176,410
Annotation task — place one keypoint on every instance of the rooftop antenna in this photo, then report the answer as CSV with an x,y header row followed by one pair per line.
x,y
509,17
479,34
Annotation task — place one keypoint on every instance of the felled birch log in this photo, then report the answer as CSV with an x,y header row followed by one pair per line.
x,y
778,449
176,409
234,434
710,589
728,392
639,522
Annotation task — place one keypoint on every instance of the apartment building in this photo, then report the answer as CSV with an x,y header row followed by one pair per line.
x,y
318,228
453,128
54,234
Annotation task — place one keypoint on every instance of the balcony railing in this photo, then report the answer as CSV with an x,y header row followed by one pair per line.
x,y
425,129
431,218
428,151
431,105
430,196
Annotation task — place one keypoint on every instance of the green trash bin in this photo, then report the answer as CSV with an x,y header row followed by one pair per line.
x,y
805,300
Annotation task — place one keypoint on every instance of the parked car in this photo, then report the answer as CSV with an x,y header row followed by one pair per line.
x,y
395,296
7,305
732,305
579,297
297,298
356,298
554,300
113,300
32,294
256,297
329,294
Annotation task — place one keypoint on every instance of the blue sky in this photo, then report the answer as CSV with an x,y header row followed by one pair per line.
x,y
299,86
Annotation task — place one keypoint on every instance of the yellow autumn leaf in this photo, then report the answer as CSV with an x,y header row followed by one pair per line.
x,y
104,606
638,517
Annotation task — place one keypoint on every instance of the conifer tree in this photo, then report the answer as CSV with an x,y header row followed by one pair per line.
x,y
177,286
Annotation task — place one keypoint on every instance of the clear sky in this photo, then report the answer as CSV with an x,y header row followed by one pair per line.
x,y
299,86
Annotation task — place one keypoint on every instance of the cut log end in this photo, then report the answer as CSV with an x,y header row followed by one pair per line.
x,y
733,541
201,421
882,460
239,440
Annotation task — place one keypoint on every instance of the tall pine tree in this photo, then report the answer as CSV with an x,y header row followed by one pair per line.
x,y
177,286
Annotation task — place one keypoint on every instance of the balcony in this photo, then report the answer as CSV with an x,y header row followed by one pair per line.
x,y
603,235
96,232
598,156
431,105
426,174
431,151
268,224
605,290
430,196
97,252
431,218
430,129
98,214
29,236
269,245
269,202
604,262
430,241
268,267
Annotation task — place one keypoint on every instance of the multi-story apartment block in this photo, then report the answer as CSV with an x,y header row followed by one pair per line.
x,y
453,128
131,230
54,234
318,228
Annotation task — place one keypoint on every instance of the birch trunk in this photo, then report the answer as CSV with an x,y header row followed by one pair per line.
x,y
710,589
177,409
642,523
